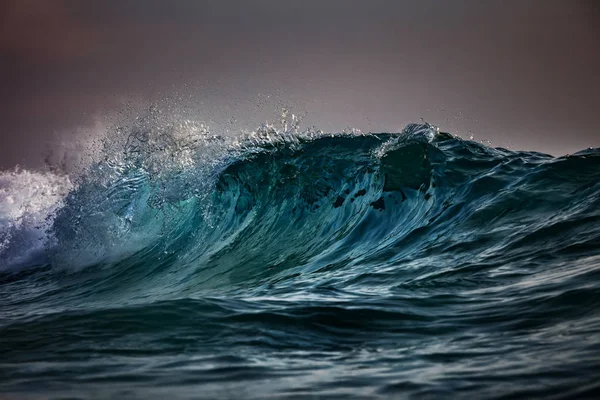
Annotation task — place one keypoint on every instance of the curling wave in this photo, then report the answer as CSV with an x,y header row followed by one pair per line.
x,y
340,243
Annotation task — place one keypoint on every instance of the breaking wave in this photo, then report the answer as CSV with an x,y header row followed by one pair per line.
x,y
395,263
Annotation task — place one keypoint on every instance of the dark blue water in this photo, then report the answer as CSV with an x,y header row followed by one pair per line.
x,y
303,266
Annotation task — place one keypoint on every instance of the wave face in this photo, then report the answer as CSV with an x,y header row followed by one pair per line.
x,y
303,266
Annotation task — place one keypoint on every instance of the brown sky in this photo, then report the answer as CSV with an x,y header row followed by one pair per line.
x,y
522,73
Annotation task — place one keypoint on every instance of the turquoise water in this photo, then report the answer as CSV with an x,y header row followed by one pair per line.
x,y
312,266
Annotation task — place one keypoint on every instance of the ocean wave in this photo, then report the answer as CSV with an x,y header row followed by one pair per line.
x,y
280,241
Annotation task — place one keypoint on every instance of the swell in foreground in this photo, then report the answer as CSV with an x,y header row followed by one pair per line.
x,y
302,266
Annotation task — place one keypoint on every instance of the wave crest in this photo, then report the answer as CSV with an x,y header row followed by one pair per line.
x,y
227,213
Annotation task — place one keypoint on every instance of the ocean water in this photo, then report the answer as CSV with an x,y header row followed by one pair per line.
x,y
290,265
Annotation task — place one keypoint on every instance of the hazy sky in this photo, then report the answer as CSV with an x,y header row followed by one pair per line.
x,y
521,73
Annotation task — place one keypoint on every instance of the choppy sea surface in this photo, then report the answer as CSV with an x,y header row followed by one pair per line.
x,y
302,265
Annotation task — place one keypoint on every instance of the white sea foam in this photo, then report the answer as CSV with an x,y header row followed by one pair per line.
x,y
28,204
